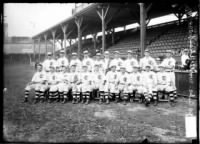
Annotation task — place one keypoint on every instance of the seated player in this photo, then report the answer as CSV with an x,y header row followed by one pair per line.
x,y
38,83
132,82
63,84
123,84
86,84
139,84
75,84
98,82
53,80
150,83
112,84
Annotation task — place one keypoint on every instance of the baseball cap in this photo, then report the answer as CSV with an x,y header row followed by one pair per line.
x,y
186,50
116,52
98,54
136,66
112,65
161,65
74,53
49,53
129,51
158,59
62,51
106,52
147,65
86,52
169,51
84,65
146,50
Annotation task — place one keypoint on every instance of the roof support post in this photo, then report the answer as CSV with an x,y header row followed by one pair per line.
x,y
79,21
45,38
34,50
64,28
102,15
39,47
94,38
113,36
53,32
142,28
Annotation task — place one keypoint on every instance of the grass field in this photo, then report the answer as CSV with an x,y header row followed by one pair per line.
x,y
44,122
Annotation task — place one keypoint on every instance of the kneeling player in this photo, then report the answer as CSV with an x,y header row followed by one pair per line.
x,y
86,84
123,84
38,83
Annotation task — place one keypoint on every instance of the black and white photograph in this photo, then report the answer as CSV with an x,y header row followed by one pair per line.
x,y
101,72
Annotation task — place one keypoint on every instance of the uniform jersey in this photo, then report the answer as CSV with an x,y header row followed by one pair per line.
x,y
123,78
66,77
62,62
139,79
39,77
74,77
49,63
148,61
85,78
53,78
78,64
89,62
129,63
106,63
118,62
149,78
184,57
169,62
163,78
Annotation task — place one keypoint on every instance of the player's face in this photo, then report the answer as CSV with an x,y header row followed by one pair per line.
x,y
39,68
96,68
73,68
114,68
85,55
134,69
74,57
161,69
62,55
147,69
97,57
146,54
129,55
168,55
84,69
116,56
123,70
106,56
52,69
49,57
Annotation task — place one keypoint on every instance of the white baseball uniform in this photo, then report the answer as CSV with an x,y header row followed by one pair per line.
x,y
53,79
76,62
112,79
48,63
150,81
89,62
118,62
75,79
123,82
98,80
100,63
148,61
63,61
129,63
86,82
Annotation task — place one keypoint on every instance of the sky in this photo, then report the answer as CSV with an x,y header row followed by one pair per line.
x,y
28,19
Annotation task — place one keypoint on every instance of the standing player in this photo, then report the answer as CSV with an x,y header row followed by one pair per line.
x,y
150,83
75,84
87,61
130,62
49,62
169,63
75,61
116,61
123,84
106,61
147,60
86,84
62,61
38,83
112,84
99,62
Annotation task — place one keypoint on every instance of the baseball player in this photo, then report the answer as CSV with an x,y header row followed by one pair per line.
x,y
147,60
99,83
49,62
123,84
75,61
38,83
75,84
116,61
169,63
112,84
86,84
163,83
130,62
62,61
87,61
106,61
53,80
132,82
99,62
150,83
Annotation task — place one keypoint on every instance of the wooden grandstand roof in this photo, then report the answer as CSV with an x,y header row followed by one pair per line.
x,y
119,14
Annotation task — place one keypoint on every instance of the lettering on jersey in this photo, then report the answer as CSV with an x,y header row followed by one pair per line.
x,y
51,63
150,62
138,78
151,76
125,79
85,77
119,63
115,76
169,63
164,78
75,78
62,62
132,63
87,63
54,77
41,75
99,76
